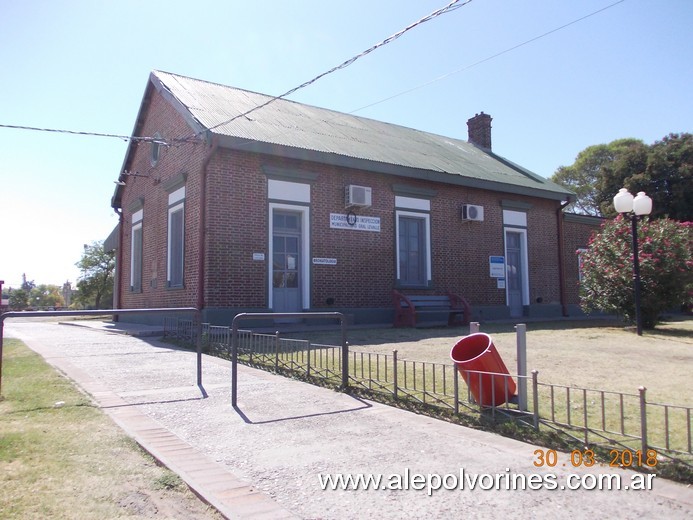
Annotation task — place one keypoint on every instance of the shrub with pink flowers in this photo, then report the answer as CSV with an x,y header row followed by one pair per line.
x,y
666,269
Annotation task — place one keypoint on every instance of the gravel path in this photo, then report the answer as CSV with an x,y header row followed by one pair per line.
x,y
286,433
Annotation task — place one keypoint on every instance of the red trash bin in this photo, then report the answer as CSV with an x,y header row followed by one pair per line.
x,y
477,352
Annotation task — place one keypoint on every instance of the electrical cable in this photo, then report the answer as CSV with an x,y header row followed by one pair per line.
x,y
156,140
462,69
488,58
448,8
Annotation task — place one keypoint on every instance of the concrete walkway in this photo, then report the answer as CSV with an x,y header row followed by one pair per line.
x,y
265,459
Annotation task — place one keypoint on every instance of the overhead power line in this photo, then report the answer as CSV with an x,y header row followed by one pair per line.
x,y
91,134
488,58
448,8
462,69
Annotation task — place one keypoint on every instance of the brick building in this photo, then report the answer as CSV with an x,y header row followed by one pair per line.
x,y
292,207
577,232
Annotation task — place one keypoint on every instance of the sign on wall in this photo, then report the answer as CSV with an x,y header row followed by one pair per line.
x,y
496,266
324,261
339,221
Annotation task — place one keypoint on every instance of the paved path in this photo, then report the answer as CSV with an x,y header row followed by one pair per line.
x,y
264,459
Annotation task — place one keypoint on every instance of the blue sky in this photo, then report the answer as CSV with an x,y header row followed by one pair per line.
x,y
83,66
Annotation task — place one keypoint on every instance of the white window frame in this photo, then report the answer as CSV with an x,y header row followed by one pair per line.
x,y
525,263
285,190
176,202
155,149
135,284
581,251
426,217
304,212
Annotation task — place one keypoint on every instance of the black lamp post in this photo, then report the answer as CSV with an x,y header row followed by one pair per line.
x,y
624,202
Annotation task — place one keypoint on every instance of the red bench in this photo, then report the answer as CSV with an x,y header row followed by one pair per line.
x,y
408,307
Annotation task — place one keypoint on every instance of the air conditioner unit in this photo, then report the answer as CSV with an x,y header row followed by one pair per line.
x,y
472,212
357,196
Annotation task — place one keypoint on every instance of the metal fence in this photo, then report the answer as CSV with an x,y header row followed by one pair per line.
x,y
113,313
590,416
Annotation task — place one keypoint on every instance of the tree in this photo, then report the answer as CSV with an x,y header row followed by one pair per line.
x,y
628,163
95,286
663,170
19,300
46,296
666,268
668,178
590,167
27,285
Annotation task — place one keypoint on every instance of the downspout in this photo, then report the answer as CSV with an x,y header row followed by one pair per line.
x,y
119,264
561,258
203,225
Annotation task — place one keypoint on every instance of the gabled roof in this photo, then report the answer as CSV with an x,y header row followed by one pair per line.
x,y
300,131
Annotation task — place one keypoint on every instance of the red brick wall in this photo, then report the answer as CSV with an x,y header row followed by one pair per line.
x,y
542,244
237,226
577,230
365,272
174,160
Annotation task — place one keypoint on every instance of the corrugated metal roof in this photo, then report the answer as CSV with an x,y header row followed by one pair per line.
x,y
291,124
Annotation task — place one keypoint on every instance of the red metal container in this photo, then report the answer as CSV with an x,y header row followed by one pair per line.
x,y
477,353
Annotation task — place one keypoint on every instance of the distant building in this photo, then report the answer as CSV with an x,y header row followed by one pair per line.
x,y
67,293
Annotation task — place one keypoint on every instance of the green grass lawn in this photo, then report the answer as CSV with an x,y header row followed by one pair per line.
x,y
61,457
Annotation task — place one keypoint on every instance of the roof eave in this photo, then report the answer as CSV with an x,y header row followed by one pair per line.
x,y
154,83
116,200
334,159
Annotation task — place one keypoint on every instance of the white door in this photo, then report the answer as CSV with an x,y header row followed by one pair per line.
x,y
287,276
515,272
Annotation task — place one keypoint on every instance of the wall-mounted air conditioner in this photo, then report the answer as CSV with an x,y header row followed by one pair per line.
x,y
472,212
359,196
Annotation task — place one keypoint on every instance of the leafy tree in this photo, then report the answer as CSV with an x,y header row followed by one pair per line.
x,y
44,296
19,300
95,286
590,167
668,178
27,285
663,170
629,162
666,268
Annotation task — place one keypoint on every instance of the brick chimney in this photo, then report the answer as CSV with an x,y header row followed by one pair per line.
x,y
479,131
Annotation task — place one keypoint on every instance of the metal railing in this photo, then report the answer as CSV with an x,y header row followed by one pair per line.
x,y
590,416
113,312
235,341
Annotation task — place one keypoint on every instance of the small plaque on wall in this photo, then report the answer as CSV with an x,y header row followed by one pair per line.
x,y
496,266
260,257
324,261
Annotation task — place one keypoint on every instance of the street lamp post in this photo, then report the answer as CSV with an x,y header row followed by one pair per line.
x,y
624,202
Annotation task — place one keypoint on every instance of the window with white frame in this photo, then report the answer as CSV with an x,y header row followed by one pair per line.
x,y
176,238
413,242
580,252
136,253
155,149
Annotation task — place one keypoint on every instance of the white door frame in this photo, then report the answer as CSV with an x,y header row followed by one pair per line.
x,y
524,259
305,251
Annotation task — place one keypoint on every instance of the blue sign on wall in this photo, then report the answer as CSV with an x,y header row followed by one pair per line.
x,y
496,266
